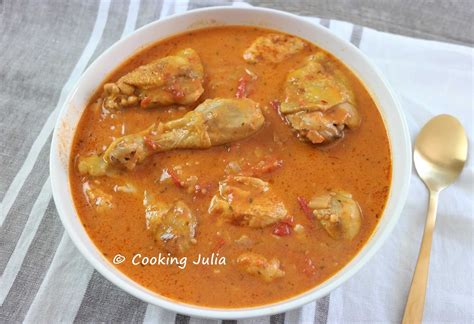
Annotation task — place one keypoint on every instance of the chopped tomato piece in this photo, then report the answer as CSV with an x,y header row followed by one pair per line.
x,y
242,88
175,178
269,164
305,208
145,102
282,229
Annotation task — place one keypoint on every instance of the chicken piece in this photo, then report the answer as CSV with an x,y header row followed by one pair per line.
x,y
127,151
319,103
230,120
97,198
93,165
214,122
273,48
173,225
321,127
175,79
257,265
247,201
338,213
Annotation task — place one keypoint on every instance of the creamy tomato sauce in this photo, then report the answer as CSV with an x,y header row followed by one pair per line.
x,y
359,164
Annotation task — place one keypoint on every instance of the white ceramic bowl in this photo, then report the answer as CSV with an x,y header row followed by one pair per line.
x,y
277,20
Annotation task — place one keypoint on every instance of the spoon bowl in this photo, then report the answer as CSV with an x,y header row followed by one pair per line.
x,y
440,151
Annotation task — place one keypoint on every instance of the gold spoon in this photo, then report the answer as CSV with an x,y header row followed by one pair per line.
x,y
439,156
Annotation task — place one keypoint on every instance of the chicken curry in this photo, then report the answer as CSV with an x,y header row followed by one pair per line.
x,y
253,151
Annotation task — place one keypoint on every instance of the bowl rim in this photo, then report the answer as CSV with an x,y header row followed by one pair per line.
x,y
321,290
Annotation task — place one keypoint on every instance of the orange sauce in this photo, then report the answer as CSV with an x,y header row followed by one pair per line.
x,y
359,164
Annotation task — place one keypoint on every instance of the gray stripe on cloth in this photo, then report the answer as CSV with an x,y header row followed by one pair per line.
x,y
32,221
33,51
113,29
19,111
322,310
14,226
229,322
325,22
105,302
37,272
277,319
17,259
66,280
195,320
18,220
181,319
35,264
149,11
196,4
356,35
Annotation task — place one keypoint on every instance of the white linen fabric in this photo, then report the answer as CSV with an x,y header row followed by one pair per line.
x,y
44,278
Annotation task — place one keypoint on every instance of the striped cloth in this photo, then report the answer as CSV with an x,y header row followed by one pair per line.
x,y
44,48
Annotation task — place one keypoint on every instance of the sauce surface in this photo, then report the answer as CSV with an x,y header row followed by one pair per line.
x,y
359,164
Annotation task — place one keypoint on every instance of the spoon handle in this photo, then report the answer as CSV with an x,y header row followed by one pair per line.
x,y
416,297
